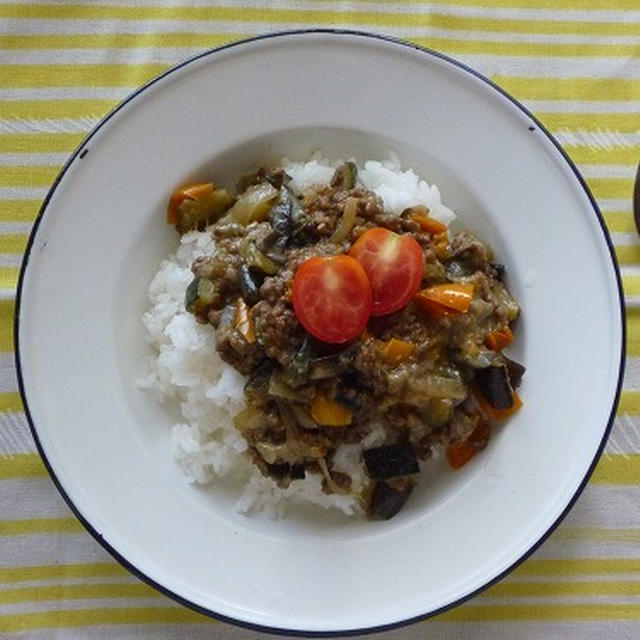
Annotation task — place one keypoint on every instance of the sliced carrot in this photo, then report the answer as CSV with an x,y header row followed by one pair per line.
x,y
498,339
243,321
445,299
429,224
459,453
498,414
328,413
192,192
395,351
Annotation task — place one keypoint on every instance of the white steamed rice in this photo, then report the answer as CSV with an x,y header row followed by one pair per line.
x,y
184,366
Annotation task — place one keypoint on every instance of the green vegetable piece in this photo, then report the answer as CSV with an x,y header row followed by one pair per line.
x,y
199,295
197,214
345,176
254,204
258,260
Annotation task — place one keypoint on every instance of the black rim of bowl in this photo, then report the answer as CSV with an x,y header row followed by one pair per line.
x,y
79,153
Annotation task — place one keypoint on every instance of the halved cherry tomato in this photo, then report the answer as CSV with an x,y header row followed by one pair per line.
x,y
332,298
394,264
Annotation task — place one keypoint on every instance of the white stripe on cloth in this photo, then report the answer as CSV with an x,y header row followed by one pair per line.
x,y
624,238
432,628
625,435
8,380
598,139
31,159
243,27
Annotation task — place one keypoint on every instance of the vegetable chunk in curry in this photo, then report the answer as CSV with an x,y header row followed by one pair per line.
x,y
346,319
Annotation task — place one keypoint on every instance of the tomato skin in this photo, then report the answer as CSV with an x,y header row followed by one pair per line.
x,y
394,264
332,298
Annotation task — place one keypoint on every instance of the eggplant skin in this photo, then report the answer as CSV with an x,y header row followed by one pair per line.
x,y
516,371
391,461
387,501
494,384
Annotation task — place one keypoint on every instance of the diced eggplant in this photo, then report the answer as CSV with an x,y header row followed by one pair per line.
x,y
280,216
455,269
297,472
344,177
290,226
279,470
515,370
273,246
498,271
275,177
249,285
316,361
386,501
200,294
348,399
493,383
256,389
391,461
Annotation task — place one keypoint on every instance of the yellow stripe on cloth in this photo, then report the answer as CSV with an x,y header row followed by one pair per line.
x,y
16,595
617,469
12,403
199,42
78,75
544,567
39,142
619,188
203,41
28,175
621,222
626,255
629,403
276,16
187,39
592,121
49,109
173,614
591,89
530,49
633,323
33,526
23,465
573,588
6,317
9,281
62,571
541,611
13,243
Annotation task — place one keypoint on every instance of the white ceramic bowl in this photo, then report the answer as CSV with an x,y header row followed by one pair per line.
x,y
101,235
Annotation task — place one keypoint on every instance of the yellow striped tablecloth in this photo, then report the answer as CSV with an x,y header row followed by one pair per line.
x,y
63,65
